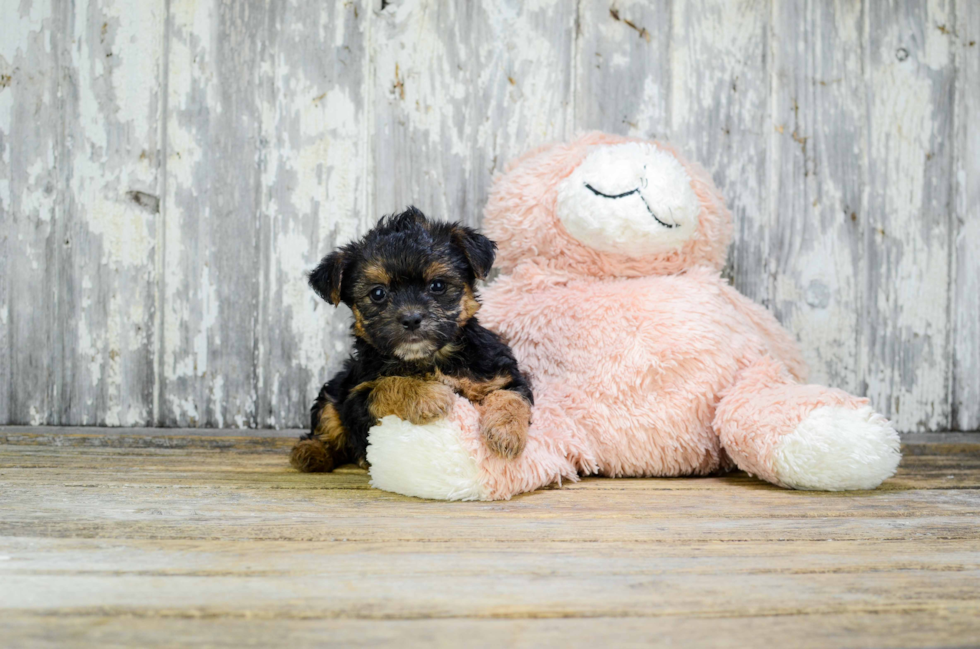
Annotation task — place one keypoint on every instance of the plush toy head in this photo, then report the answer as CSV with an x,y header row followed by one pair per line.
x,y
605,205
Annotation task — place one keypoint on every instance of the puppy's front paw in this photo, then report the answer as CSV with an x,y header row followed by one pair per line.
x,y
415,400
435,401
504,422
311,456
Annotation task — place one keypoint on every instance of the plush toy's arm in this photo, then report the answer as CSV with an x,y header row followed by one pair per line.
x,y
779,342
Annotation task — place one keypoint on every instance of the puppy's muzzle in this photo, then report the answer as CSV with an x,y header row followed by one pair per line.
x,y
410,320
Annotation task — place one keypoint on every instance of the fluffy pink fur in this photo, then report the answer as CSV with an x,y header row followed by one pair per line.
x,y
648,366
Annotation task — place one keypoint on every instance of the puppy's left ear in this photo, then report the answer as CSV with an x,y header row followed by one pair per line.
x,y
326,279
479,250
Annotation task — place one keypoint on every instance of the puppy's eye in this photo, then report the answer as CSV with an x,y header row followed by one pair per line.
x,y
378,294
437,286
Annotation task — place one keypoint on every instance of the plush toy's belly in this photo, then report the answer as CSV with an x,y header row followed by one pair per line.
x,y
639,363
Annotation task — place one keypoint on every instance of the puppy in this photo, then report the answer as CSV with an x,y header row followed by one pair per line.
x,y
409,283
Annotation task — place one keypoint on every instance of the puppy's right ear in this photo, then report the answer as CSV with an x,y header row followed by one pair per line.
x,y
479,250
327,277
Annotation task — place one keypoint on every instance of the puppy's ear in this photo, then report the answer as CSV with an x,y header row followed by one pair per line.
x,y
479,250
327,277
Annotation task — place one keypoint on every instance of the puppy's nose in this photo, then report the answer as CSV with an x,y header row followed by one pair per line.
x,y
411,320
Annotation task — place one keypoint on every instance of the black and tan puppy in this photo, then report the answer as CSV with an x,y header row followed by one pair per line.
x,y
409,283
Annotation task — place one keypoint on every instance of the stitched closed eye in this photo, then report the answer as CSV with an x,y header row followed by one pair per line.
x,y
630,193
604,195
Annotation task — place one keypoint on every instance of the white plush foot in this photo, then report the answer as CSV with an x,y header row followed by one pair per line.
x,y
427,461
838,449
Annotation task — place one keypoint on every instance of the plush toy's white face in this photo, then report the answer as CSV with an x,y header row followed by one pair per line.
x,y
631,199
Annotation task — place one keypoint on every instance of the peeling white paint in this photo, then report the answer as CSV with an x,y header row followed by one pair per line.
x,y
37,200
17,31
804,114
815,185
125,230
907,372
218,400
936,50
209,309
131,23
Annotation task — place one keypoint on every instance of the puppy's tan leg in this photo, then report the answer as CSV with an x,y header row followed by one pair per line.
x,y
504,419
416,400
326,450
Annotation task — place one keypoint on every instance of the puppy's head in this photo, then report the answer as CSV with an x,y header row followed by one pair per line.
x,y
409,282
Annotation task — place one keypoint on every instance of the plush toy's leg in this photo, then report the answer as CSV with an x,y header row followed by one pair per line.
x,y
449,459
804,436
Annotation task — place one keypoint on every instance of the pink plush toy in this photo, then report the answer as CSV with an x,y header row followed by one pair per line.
x,y
644,361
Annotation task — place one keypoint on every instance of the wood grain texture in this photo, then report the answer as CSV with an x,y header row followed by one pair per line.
x,y
169,172
904,348
622,67
112,141
218,79
966,222
908,628
459,89
316,172
720,116
221,542
30,190
819,166
33,199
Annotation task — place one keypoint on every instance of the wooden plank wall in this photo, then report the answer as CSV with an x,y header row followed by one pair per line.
x,y
170,168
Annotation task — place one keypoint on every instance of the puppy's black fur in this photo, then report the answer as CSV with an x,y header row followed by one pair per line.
x,y
409,283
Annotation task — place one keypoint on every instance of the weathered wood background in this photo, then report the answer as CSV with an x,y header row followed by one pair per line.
x,y
170,168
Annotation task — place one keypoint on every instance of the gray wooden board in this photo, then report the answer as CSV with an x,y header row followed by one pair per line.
x,y
966,221
818,162
169,170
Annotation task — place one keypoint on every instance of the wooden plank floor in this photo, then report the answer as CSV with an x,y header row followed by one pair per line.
x,y
135,538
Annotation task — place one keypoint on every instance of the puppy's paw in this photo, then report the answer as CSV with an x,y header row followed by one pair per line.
x,y
415,400
311,456
504,422
436,403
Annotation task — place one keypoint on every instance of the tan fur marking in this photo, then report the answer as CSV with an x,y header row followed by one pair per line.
x,y
468,306
320,454
504,420
419,401
437,269
375,273
444,353
359,330
310,456
330,430
361,387
475,391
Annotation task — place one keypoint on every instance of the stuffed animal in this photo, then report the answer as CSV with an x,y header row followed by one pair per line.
x,y
643,360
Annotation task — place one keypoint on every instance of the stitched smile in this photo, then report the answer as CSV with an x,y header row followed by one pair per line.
x,y
630,193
